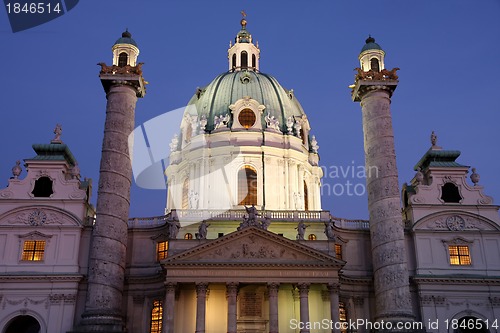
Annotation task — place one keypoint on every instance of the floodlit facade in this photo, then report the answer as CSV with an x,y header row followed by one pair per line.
x,y
245,245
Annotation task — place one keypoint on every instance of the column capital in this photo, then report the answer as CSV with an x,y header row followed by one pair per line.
x,y
232,289
333,288
170,286
201,289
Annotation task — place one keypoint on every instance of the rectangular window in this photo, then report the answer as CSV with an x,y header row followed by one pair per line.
x,y
459,255
33,250
156,317
338,251
162,250
343,316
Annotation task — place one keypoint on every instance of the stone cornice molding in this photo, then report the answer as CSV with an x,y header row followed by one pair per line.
x,y
457,280
39,277
361,280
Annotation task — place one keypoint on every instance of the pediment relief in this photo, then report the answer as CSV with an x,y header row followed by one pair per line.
x,y
252,245
455,222
38,216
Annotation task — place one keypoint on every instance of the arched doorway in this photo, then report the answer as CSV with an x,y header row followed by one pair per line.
x,y
23,324
470,324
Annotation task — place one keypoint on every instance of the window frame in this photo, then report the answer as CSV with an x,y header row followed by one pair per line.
x,y
162,250
32,252
156,316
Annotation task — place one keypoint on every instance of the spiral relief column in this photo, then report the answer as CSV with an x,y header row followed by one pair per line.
x,y
123,84
373,88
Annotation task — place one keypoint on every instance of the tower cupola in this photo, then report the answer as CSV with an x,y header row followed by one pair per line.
x,y
243,54
125,51
371,56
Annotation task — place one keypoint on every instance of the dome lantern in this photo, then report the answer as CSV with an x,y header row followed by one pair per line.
x,y
125,51
243,55
371,56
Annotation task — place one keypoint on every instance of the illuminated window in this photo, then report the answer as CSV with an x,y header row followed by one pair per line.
x,y
311,237
33,250
122,59
343,316
247,186
459,255
185,194
306,197
338,251
162,250
156,317
247,118
188,236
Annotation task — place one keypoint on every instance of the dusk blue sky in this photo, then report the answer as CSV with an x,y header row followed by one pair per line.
x,y
448,52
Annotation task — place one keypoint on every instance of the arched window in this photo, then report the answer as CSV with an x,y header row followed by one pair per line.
x,y
185,194
23,324
312,237
43,188
374,65
122,59
234,61
188,235
303,136
244,59
254,63
450,193
306,197
188,133
247,186
156,317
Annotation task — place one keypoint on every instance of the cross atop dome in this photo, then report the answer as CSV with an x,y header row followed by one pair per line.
x,y
243,55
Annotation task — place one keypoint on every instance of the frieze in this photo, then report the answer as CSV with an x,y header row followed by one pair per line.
x,y
455,222
25,302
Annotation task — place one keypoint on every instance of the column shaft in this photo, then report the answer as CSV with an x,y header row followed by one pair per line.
x,y
201,304
231,295
169,308
273,289
333,289
391,280
304,306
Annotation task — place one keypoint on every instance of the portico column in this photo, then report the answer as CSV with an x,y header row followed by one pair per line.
x,y
201,302
333,289
304,306
231,294
169,308
273,288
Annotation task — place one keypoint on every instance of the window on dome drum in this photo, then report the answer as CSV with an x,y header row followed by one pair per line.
x,y
185,194
33,250
247,186
188,235
306,197
43,188
450,193
188,133
156,316
343,316
162,250
220,234
233,61
338,251
247,118
303,136
311,237
244,59
459,255
374,65
122,59
254,63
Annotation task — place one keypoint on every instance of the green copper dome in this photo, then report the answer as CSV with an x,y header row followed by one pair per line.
x,y
126,39
370,45
227,88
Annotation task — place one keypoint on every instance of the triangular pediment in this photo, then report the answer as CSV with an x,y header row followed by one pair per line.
x,y
254,246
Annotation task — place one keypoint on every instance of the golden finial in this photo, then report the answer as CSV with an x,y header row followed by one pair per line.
x,y
243,14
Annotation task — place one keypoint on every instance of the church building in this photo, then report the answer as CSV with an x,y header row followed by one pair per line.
x,y
244,245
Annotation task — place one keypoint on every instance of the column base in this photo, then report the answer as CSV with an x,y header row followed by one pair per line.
x,y
100,322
